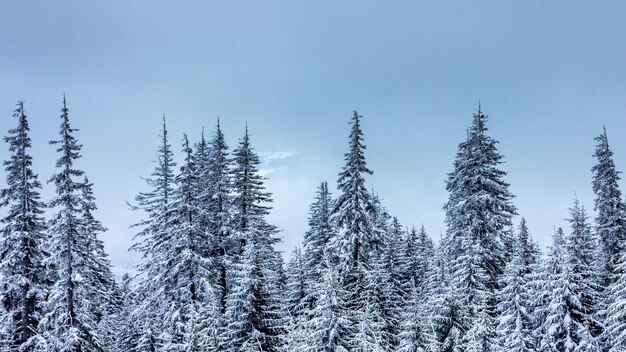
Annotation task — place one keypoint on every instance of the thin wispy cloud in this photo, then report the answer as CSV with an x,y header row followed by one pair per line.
x,y
267,157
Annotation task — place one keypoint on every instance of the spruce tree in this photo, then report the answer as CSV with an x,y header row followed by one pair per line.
x,y
154,241
479,215
253,311
216,201
23,287
126,333
446,322
316,241
581,247
104,296
295,300
70,323
611,210
329,329
188,293
354,243
514,325
564,326
413,330
614,336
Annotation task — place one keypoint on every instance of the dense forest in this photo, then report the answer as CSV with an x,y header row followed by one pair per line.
x,y
211,279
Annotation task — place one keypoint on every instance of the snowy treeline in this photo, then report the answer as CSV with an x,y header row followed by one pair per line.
x,y
211,279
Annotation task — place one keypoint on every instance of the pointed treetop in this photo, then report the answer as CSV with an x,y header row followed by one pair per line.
x,y
479,120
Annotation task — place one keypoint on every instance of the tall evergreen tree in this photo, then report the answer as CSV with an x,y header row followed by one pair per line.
x,y
581,247
22,253
479,215
188,292
154,241
253,311
103,293
564,325
69,323
218,207
354,243
316,241
611,210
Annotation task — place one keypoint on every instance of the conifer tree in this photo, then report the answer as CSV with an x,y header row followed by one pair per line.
x,y
354,243
316,241
611,210
581,247
253,311
295,300
514,326
70,324
126,333
329,329
22,268
217,203
103,303
614,337
392,294
154,241
563,328
413,334
446,323
481,337
188,292
530,252
479,215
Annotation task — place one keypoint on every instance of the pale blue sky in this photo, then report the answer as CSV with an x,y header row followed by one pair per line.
x,y
549,74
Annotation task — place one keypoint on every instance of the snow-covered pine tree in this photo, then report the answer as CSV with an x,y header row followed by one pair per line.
x,y
316,240
295,300
126,333
514,326
614,336
563,328
329,329
357,243
446,323
413,332
417,253
23,287
69,323
611,211
479,215
481,336
103,293
370,321
154,241
393,297
215,202
253,309
354,244
530,251
188,295
581,247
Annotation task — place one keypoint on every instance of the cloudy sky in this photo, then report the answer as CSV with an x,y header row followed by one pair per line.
x,y
550,74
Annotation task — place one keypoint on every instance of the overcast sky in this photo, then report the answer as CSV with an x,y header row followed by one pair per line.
x,y
549,74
